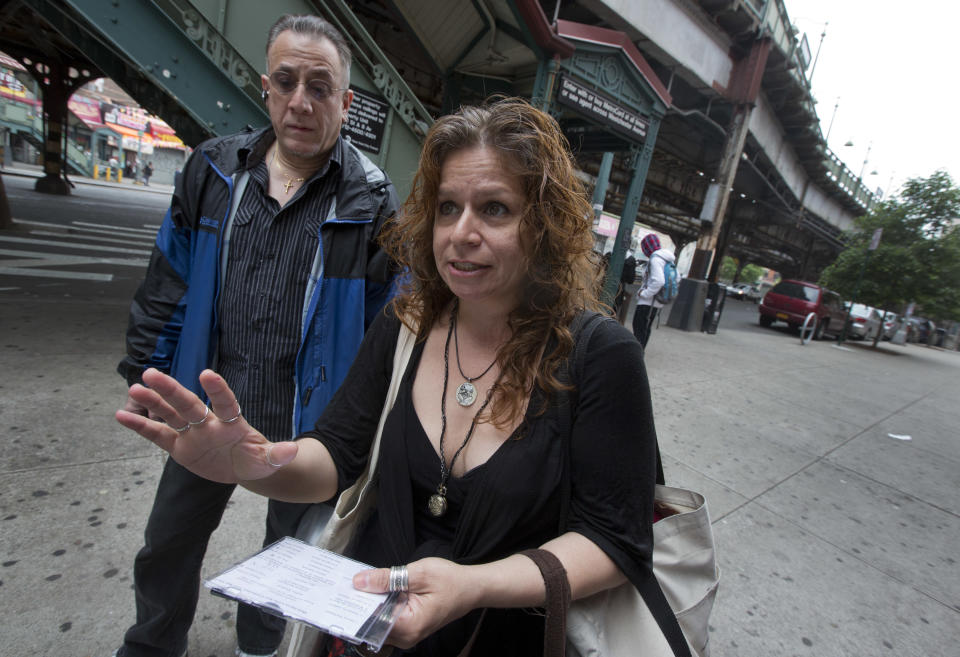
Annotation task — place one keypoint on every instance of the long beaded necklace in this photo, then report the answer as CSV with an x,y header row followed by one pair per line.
x,y
466,391
437,504
290,180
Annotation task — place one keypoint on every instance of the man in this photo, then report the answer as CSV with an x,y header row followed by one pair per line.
x,y
647,306
266,268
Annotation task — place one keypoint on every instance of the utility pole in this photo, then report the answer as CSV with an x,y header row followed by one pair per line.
x,y
743,91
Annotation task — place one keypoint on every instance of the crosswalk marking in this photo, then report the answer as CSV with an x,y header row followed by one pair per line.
x,y
53,273
147,231
73,245
55,254
114,240
39,257
93,229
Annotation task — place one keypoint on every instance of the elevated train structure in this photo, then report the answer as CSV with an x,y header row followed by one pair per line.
x,y
693,117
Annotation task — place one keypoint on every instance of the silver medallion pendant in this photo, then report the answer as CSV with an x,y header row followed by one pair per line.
x,y
466,394
437,505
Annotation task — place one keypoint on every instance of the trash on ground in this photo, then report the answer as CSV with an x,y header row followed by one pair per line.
x,y
900,436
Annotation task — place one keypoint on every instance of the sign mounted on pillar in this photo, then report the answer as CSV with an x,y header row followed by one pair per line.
x,y
366,120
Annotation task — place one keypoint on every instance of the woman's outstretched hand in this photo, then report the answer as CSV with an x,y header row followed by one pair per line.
x,y
216,442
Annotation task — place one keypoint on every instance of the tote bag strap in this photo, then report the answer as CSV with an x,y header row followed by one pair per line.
x,y
339,523
582,328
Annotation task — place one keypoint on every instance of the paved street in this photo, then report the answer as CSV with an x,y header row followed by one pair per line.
x,y
96,241
836,535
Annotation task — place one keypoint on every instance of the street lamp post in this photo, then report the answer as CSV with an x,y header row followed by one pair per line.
x,y
865,159
832,117
813,66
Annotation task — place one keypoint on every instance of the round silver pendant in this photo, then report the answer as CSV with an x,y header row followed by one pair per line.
x,y
466,394
437,505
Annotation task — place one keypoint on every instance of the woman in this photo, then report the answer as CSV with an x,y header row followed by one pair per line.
x,y
496,241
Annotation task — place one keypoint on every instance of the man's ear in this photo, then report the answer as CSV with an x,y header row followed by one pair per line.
x,y
345,107
264,83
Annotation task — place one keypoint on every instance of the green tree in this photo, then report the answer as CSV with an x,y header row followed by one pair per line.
x,y
748,274
918,258
943,301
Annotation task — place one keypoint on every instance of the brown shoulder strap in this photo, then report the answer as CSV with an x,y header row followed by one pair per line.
x,y
557,601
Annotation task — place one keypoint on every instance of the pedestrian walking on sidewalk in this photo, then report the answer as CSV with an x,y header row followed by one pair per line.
x,y
653,279
267,264
147,172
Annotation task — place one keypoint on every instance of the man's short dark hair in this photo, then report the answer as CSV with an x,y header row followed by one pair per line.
x,y
316,27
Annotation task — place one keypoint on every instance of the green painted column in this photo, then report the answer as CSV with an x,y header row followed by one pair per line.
x,y
629,215
600,188
543,86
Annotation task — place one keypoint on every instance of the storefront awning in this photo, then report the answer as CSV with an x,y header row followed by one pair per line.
x,y
133,140
86,110
169,141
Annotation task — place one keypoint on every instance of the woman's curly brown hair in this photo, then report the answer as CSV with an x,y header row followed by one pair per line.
x,y
562,275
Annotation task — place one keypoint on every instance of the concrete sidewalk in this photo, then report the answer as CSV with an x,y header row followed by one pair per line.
x,y
36,171
834,537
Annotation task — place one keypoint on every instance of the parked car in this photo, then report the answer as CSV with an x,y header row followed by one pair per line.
x,y
791,301
865,322
891,322
743,292
919,329
735,291
939,336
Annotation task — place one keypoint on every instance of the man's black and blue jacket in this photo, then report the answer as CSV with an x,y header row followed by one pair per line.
x,y
173,318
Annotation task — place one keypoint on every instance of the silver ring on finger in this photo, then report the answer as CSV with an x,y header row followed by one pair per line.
x,y
235,417
181,429
399,579
206,412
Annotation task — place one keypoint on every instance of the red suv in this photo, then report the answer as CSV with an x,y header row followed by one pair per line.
x,y
791,301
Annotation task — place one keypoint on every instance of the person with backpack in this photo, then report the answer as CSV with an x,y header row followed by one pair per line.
x,y
658,287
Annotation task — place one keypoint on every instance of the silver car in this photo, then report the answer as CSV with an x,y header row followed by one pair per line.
x,y
744,291
865,322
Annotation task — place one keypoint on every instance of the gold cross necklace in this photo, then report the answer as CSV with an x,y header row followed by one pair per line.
x,y
290,180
